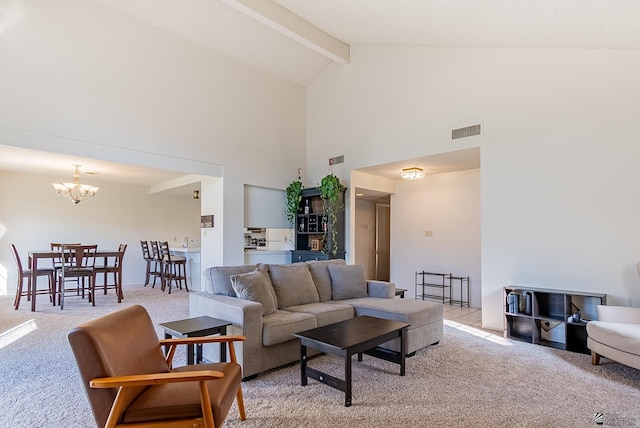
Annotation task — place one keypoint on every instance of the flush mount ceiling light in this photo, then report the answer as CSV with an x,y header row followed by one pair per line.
x,y
75,191
413,173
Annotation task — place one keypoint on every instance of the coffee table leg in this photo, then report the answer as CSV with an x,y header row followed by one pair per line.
x,y
223,346
303,365
347,380
166,347
199,353
190,352
403,350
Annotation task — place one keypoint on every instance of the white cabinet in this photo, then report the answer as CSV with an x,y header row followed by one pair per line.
x,y
252,257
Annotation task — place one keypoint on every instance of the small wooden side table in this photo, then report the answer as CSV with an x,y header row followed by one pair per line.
x,y
197,327
400,292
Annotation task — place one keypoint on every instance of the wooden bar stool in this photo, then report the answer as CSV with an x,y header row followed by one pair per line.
x,y
156,266
174,268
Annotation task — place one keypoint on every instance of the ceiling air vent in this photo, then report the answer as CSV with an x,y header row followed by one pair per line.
x,y
468,131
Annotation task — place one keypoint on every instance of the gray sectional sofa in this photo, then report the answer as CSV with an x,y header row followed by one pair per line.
x,y
269,303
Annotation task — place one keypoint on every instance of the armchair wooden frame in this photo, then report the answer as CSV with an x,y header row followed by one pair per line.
x,y
124,383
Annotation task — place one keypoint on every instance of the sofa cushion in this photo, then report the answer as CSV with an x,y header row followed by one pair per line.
x,y
347,281
279,326
326,312
221,278
415,312
320,273
255,287
293,285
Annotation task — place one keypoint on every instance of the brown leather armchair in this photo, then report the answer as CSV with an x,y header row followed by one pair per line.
x,y
130,382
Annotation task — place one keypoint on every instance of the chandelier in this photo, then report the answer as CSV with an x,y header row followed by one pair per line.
x,y
75,191
413,173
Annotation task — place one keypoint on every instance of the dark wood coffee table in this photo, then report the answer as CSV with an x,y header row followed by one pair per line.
x,y
354,336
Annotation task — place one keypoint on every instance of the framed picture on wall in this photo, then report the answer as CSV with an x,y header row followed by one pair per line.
x,y
316,245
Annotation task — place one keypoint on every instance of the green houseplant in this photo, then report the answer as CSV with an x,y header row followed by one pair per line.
x,y
294,196
330,193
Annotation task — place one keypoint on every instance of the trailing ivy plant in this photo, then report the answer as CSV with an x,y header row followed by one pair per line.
x,y
294,196
330,193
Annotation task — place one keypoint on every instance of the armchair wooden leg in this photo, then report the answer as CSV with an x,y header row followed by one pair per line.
x,y
240,402
205,402
595,358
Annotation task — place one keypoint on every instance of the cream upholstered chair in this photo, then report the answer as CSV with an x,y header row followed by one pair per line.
x,y
615,335
130,383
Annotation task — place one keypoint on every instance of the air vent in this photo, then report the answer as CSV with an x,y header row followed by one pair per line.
x,y
468,131
336,160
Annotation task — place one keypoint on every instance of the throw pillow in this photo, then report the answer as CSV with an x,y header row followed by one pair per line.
x,y
293,285
347,281
254,286
322,279
220,277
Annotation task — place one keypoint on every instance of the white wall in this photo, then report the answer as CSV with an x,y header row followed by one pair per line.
x,y
32,215
449,206
78,77
559,174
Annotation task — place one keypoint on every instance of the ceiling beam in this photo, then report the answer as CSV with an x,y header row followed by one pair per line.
x,y
291,25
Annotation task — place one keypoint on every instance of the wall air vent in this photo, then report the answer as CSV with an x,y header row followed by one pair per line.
x,y
337,160
467,131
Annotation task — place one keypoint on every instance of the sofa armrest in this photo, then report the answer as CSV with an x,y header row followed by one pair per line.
x,y
246,319
231,309
624,314
381,289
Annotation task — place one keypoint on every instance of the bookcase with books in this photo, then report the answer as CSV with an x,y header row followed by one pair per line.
x,y
550,317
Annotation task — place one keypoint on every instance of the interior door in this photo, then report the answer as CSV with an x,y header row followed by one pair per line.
x,y
383,241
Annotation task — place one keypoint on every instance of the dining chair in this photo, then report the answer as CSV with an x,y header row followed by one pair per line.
x,y
60,259
112,264
130,382
173,268
80,266
26,274
57,246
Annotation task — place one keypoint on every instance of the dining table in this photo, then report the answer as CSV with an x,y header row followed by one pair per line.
x,y
37,255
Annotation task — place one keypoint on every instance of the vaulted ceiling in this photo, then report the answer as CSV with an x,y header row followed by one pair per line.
x,y
297,39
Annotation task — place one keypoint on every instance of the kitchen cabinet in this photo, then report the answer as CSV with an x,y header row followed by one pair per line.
x,y
313,237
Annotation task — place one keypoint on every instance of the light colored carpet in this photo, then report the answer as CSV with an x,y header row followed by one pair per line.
x,y
471,379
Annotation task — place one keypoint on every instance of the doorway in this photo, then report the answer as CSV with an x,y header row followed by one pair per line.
x,y
383,241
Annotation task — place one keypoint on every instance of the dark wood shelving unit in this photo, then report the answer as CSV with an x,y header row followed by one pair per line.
x,y
313,233
546,321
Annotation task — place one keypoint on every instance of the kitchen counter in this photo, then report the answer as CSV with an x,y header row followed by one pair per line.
x,y
192,254
184,250
267,251
267,256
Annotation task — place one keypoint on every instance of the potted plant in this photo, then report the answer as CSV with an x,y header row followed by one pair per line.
x,y
294,196
330,193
